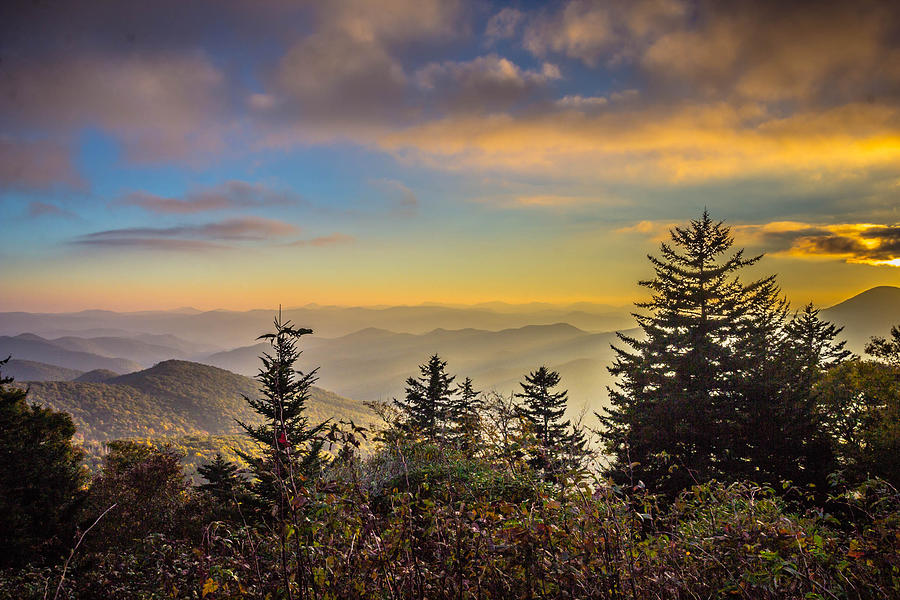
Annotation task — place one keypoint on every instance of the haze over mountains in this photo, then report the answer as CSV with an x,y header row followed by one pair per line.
x,y
374,363
193,332
367,353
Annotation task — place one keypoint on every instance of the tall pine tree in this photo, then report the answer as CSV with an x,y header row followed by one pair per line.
x,y
679,412
424,407
790,440
291,446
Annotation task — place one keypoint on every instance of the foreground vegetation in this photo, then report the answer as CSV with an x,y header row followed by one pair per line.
x,y
416,522
746,455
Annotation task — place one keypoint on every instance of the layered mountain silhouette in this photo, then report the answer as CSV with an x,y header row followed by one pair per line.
x,y
193,333
362,353
373,364
32,347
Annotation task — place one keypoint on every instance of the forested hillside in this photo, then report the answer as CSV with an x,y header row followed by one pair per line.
x,y
173,398
194,450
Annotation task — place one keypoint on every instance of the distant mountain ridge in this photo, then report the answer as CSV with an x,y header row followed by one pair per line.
x,y
36,348
373,364
229,329
869,313
29,370
379,347
96,376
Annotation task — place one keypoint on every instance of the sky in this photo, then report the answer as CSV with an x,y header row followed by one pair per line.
x,y
247,153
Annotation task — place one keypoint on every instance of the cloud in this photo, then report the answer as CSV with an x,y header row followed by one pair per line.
x,y
400,196
331,76
36,165
161,107
774,52
655,230
550,201
347,78
579,102
679,144
43,209
504,24
153,244
391,22
668,92
483,84
228,195
581,30
202,236
333,239
587,103
865,243
594,31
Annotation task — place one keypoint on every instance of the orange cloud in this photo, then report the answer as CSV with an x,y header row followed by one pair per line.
x,y
863,243
691,142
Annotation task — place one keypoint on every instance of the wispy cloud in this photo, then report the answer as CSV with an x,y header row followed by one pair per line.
x,y
401,198
333,239
155,244
38,209
228,195
190,237
549,201
504,24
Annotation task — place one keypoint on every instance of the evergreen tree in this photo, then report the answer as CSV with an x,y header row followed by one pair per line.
x,y
221,478
291,446
427,399
464,415
40,477
693,388
782,437
812,343
560,444
887,350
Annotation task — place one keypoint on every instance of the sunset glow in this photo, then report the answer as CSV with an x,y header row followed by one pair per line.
x,y
244,154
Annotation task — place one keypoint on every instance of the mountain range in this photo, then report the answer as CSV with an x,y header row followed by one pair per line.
x,y
366,353
194,332
373,364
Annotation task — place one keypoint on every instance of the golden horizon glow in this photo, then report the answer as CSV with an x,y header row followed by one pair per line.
x,y
356,152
